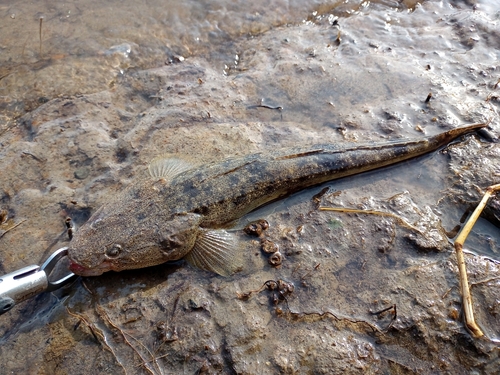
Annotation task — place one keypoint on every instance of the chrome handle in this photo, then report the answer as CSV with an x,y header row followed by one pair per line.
x,y
29,281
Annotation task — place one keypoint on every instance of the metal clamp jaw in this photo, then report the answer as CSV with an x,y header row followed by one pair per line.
x,y
29,281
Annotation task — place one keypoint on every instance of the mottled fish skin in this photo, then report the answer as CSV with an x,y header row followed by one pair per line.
x,y
182,210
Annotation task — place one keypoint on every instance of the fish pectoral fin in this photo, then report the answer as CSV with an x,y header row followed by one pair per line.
x,y
168,166
215,251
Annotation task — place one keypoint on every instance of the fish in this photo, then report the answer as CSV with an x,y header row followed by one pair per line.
x,y
183,210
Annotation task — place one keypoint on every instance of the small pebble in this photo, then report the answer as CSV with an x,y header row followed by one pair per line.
x,y
82,173
276,259
256,228
269,247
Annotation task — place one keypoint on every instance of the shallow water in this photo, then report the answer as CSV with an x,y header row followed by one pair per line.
x,y
113,85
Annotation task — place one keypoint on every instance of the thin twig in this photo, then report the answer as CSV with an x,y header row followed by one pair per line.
x,y
321,315
464,283
95,332
2,232
89,326
401,221
103,314
485,281
41,20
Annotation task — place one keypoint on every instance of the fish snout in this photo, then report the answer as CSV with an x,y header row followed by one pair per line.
x,y
82,271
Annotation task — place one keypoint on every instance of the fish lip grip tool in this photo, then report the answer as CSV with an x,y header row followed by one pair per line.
x,y
29,281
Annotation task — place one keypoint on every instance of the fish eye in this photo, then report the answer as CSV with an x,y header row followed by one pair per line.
x,y
113,251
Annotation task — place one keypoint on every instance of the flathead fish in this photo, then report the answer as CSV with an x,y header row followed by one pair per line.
x,y
182,210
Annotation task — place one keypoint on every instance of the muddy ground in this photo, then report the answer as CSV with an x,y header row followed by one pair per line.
x,y
338,74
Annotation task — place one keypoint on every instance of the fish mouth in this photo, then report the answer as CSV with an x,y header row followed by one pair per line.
x,y
83,271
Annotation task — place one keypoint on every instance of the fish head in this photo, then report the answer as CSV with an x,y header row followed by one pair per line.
x,y
114,240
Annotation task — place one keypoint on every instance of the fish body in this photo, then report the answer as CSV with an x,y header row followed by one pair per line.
x,y
181,210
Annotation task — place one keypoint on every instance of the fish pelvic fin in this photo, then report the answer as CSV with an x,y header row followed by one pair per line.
x,y
168,166
215,251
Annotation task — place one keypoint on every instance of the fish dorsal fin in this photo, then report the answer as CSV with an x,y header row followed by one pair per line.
x,y
215,251
168,166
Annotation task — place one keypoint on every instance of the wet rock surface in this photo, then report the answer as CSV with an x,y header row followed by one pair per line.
x,y
342,75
